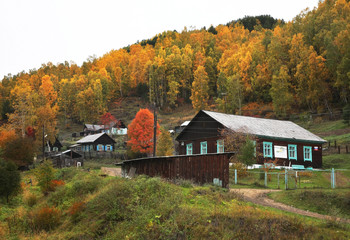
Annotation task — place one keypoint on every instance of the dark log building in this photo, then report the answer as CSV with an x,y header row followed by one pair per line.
x,y
285,141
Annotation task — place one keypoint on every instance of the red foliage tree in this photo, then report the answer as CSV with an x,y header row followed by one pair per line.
x,y
140,132
108,120
30,132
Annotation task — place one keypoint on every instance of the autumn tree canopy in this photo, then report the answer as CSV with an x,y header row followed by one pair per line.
x,y
141,132
252,60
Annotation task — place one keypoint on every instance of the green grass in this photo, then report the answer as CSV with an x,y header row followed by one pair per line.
x,y
325,126
337,161
307,179
343,139
91,207
328,202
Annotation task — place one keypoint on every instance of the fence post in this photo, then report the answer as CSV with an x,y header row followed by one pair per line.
x,y
286,178
235,176
265,179
278,180
296,179
335,143
347,150
338,149
332,179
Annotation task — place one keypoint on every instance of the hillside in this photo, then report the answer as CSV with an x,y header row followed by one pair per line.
x,y
88,206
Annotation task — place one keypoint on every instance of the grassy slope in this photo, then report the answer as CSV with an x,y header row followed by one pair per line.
x,y
150,208
329,202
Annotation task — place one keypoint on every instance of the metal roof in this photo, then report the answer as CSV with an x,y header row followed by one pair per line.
x,y
90,138
185,123
264,127
93,127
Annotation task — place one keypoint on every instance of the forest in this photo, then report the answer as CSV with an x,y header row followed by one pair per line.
x,y
241,67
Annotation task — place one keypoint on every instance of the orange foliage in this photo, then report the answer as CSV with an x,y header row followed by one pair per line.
x,y
140,132
6,136
56,183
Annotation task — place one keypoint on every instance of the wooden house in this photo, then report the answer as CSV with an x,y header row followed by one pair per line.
x,y
55,147
114,128
100,142
92,129
291,144
67,159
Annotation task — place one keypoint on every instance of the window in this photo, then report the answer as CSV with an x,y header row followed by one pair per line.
x,y
267,149
189,149
100,147
203,147
109,148
292,152
307,153
220,146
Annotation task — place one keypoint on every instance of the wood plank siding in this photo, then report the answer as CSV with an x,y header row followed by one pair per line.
x,y
200,169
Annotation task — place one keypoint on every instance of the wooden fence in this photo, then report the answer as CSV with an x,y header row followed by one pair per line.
x,y
338,148
201,168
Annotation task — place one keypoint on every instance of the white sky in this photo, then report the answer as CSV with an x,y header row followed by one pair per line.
x,y
33,32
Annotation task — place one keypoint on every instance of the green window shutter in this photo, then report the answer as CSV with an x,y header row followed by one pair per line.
x,y
307,153
204,148
267,149
189,150
292,152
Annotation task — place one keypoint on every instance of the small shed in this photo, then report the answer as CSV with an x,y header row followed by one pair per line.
x,y
100,142
67,159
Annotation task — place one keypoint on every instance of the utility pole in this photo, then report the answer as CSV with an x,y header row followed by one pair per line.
x,y
43,142
154,131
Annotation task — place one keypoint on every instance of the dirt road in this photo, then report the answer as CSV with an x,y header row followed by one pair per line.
x,y
259,196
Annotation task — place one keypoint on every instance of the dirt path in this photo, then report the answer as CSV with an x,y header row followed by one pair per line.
x,y
259,196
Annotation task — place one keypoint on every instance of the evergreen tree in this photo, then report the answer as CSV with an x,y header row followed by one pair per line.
x,y
10,179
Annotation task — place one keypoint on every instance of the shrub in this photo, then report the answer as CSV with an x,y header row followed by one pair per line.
x,y
45,218
45,173
75,211
241,169
54,184
30,199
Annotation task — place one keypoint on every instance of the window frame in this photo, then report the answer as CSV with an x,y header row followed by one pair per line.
x,y
220,144
205,143
304,153
295,150
189,147
265,145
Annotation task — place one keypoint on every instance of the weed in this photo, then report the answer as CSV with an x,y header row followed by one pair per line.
x,y
30,199
45,218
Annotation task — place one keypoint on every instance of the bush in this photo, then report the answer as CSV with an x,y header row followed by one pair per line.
x,y
46,218
75,211
241,169
45,173
54,184
30,199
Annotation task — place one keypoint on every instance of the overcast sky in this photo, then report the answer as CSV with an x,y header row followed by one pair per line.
x,y
40,31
